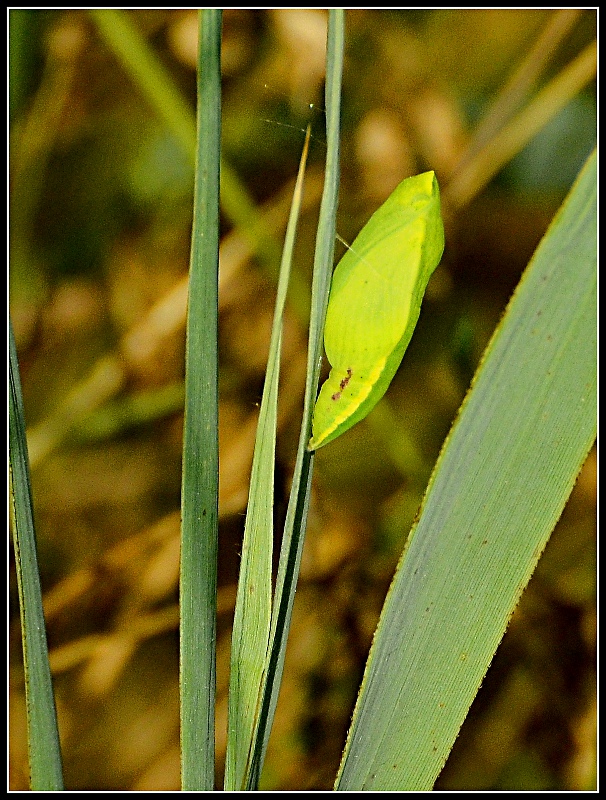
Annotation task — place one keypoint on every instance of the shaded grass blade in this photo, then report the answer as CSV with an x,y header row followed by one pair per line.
x,y
500,485
155,83
42,735
296,516
199,494
253,603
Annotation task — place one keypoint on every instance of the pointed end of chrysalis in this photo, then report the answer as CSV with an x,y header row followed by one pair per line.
x,y
319,441
312,444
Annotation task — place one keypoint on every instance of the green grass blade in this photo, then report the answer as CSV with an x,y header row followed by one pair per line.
x,y
250,636
148,74
500,485
296,517
157,86
199,501
46,772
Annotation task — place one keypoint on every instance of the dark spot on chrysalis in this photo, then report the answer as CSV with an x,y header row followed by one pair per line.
x,y
336,396
345,380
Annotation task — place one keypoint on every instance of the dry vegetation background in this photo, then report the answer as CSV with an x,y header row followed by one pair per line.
x,y
100,223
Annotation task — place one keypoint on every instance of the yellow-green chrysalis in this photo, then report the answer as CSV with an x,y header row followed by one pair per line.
x,y
374,304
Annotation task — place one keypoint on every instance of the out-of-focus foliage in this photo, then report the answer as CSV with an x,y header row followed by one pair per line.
x,y
100,221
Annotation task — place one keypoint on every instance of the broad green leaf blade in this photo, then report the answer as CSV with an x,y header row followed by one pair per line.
x,y
42,733
200,482
500,485
250,636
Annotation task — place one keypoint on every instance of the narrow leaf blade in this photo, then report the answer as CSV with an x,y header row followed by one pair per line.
x,y
252,616
298,505
46,772
200,482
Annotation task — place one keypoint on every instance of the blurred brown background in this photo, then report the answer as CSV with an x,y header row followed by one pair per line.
x,y
100,219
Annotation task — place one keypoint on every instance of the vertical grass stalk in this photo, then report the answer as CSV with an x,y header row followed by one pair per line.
x,y
199,498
